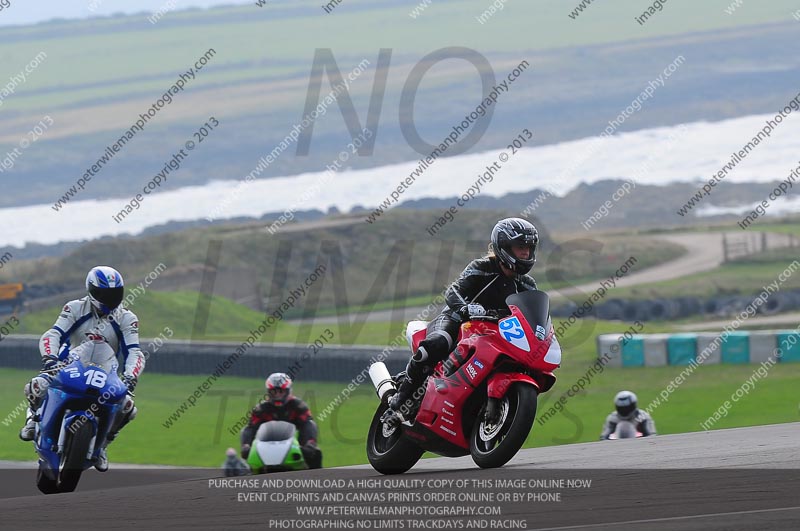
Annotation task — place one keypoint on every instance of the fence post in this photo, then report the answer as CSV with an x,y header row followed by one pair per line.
x,y
724,248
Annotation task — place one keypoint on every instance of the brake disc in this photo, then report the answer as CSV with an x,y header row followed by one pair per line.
x,y
487,432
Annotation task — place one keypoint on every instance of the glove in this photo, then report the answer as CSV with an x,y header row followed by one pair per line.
x,y
130,382
312,454
245,451
49,362
472,310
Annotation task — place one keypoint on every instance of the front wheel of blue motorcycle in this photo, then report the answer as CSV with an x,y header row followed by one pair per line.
x,y
74,459
493,444
44,483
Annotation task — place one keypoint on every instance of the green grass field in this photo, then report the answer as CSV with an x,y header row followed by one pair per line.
x,y
228,321
786,226
201,435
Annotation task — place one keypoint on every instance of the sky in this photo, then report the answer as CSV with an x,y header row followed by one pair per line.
x,y
23,12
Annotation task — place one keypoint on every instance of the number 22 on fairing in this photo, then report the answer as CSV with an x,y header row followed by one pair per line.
x,y
511,330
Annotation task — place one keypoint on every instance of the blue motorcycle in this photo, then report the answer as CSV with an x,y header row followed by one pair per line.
x,y
83,397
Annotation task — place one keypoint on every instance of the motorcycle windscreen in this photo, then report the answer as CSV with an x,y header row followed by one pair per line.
x,y
275,430
529,328
535,307
91,380
625,430
70,379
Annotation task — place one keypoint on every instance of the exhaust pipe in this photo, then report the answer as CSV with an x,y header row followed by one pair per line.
x,y
382,380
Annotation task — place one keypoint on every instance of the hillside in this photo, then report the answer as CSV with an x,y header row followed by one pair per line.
x,y
393,260
648,207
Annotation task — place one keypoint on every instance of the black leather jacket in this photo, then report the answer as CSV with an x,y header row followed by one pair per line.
x,y
484,283
295,411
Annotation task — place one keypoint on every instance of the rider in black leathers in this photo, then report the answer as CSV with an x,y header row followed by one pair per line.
x,y
483,285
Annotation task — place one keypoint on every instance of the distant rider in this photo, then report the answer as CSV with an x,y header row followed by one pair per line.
x,y
483,285
626,410
97,317
281,404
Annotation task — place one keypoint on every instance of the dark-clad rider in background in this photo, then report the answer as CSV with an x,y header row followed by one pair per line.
x,y
281,404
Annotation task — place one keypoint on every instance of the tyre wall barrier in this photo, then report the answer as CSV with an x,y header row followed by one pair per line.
x,y
680,307
705,348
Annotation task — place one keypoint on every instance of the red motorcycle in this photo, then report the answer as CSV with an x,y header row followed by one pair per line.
x,y
481,400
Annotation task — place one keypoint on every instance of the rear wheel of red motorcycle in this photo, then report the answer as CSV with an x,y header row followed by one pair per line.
x,y
493,445
388,451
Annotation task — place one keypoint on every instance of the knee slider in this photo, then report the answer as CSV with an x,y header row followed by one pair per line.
x,y
420,355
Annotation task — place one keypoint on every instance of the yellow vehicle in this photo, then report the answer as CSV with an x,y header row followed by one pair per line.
x,y
10,298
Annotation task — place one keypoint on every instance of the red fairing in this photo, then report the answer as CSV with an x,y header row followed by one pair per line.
x,y
495,354
416,337
500,382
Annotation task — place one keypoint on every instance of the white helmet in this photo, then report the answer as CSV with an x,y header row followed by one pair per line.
x,y
105,288
625,402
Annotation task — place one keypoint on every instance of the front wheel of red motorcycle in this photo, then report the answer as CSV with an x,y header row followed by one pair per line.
x,y
493,444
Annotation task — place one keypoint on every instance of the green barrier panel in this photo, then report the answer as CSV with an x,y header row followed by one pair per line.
x,y
633,352
737,348
681,349
789,346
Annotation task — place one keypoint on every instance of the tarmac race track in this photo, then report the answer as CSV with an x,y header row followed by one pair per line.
x,y
744,478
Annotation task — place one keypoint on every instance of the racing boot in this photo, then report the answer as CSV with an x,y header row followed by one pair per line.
x,y
28,431
407,398
101,463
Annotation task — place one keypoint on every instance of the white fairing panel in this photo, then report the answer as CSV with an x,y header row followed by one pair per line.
x,y
273,453
554,352
412,328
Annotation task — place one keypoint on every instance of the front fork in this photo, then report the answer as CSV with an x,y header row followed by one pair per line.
x,y
493,409
496,389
